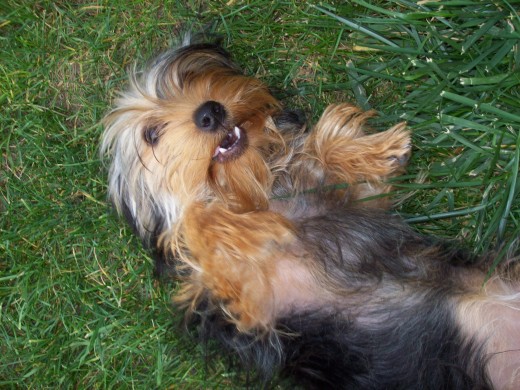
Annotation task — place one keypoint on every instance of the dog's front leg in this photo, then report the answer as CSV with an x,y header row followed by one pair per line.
x,y
345,150
234,257
338,151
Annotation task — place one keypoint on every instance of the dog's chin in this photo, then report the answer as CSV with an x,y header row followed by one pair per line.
x,y
232,146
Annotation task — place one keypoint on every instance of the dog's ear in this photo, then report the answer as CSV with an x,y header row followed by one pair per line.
x,y
290,121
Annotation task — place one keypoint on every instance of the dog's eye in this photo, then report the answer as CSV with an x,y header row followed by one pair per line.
x,y
151,134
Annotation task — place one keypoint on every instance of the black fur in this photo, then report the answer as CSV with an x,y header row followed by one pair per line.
x,y
396,329
290,120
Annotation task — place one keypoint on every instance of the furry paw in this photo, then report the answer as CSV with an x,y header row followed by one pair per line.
x,y
397,147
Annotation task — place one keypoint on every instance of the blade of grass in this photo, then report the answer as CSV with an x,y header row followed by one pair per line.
x,y
356,26
481,106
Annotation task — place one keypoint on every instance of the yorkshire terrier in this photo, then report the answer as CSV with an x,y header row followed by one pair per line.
x,y
282,240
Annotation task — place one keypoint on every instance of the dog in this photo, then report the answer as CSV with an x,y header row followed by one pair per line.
x,y
282,241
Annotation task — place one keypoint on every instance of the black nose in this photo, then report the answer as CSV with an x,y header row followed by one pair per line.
x,y
209,116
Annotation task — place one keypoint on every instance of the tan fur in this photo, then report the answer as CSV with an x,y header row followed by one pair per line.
x,y
492,313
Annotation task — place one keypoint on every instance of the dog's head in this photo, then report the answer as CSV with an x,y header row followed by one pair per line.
x,y
190,127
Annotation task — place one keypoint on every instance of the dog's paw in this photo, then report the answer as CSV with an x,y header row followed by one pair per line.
x,y
398,144
402,159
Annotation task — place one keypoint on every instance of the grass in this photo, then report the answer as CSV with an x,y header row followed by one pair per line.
x,y
78,305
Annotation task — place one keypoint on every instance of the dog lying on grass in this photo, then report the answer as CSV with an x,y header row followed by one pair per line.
x,y
279,258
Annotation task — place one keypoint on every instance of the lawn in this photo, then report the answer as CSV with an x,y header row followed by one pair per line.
x,y
79,307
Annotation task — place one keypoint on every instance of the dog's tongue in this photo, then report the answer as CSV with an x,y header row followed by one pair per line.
x,y
229,141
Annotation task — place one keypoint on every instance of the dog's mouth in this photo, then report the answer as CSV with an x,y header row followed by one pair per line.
x,y
232,145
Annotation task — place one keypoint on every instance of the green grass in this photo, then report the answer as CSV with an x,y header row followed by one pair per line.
x,y
78,305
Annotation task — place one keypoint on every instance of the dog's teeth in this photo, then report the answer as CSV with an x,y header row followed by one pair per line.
x,y
237,132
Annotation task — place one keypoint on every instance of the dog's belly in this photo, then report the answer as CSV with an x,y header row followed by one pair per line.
x,y
492,314
295,288
393,295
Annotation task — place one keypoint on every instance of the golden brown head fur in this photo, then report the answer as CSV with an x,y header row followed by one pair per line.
x,y
162,162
